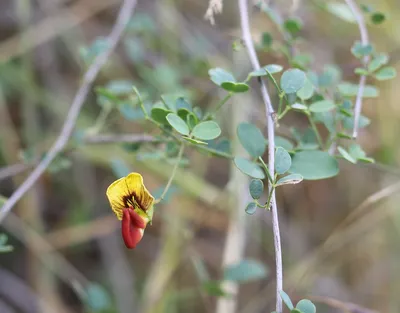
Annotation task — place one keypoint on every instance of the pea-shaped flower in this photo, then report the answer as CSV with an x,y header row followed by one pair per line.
x,y
133,205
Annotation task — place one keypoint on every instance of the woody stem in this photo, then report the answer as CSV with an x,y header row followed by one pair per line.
x,y
171,178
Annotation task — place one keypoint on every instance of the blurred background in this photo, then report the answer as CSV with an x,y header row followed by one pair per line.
x,y
339,235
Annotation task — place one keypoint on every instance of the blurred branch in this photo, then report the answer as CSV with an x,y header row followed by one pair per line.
x,y
345,307
244,19
12,170
116,138
69,124
364,41
52,27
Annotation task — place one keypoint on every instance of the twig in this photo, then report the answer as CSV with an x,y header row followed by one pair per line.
x,y
120,138
69,124
364,41
244,21
12,170
171,178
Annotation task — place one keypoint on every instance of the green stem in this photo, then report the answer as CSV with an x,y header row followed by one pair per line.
x,y
174,170
314,127
141,102
266,170
101,119
268,204
219,106
281,115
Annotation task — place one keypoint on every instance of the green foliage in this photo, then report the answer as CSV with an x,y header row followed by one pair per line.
x,y
96,298
283,161
322,106
219,76
292,80
290,179
245,271
286,300
249,168
313,165
305,306
256,188
378,18
252,139
206,130
385,73
251,208
178,124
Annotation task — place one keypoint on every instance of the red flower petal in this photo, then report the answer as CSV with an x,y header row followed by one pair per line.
x,y
132,227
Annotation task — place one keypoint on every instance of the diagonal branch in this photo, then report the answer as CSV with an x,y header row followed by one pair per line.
x,y
244,21
123,18
364,41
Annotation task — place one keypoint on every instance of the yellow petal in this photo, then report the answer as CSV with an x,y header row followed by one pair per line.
x,y
127,192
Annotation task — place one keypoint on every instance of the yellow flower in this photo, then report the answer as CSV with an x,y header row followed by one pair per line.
x,y
133,205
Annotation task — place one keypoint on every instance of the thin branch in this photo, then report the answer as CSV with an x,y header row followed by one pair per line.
x,y
120,138
12,170
364,41
244,21
80,97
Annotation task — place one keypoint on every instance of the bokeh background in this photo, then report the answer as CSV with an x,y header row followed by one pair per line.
x,y
340,236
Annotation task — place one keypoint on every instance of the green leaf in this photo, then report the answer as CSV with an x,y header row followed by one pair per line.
x,y
235,87
181,103
314,165
350,90
348,122
178,124
343,135
286,300
293,25
270,68
301,60
214,288
245,271
330,76
249,168
306,306
341,10
191,120
120,87
290,179
283,161
266,40
252,139
356,151
206,130
283,142
256,188
322,106
251,208
219,76
385,73
378,61
160,115
378,18
346,155
300,107
292,80
307,91
295,311
359,50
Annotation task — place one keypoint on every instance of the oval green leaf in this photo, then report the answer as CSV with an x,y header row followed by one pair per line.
x,y
307,91
322,106
219,76
256,188
385,73
251,208
314,165
252,139
159,115
206,130
235,87
292,80
286,299
283,161
346,155
290,179
306,306
178,124
249,168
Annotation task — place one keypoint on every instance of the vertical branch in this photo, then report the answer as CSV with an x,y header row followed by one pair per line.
x,y
364,41
73,113
244,20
